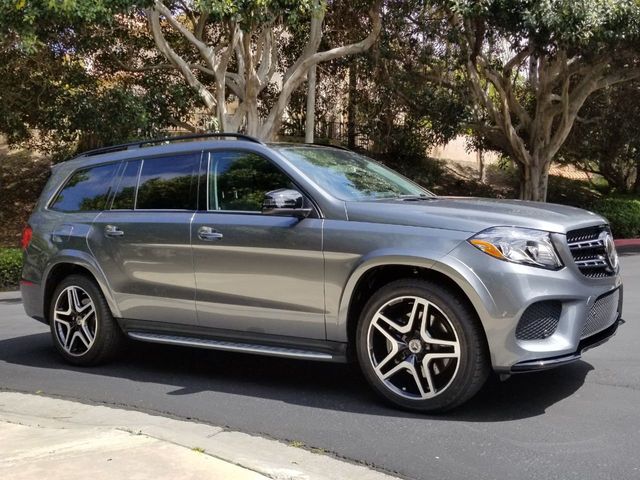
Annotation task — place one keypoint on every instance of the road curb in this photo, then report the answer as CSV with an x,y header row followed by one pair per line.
x,y
628,245
270,458
10,296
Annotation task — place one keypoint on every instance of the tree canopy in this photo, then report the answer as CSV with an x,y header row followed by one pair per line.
x,y
516,76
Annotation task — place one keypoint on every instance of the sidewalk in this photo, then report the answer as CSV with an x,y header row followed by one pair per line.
x,y
41,437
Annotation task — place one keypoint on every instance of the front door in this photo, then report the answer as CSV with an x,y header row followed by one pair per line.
x,y
143,241
255,273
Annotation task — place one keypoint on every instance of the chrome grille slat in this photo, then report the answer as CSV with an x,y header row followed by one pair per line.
x,y
585,245
589,251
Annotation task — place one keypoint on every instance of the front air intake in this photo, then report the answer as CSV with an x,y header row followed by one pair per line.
x,y
539,320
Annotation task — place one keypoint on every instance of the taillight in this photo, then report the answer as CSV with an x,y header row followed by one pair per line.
x,y
27,233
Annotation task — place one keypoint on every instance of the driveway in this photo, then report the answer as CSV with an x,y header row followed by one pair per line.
x,y
581,421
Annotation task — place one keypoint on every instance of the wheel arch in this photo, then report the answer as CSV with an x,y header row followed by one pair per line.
x,y
69,264
371,277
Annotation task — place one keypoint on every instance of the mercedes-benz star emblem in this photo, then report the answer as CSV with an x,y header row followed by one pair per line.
x,y
610,248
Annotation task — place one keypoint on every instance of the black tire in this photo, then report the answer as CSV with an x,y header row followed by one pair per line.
x,y
469,374
108,337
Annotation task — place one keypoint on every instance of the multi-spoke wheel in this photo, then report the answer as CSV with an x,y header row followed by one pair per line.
x,y
83,330
75,320
421,347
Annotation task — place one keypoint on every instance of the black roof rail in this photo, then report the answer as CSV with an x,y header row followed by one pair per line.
x,y
141,143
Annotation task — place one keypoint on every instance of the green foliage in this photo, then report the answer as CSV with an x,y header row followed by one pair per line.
x,y
606,142
623,214
72,107
567,191
10,267
26,23
591,24
253,13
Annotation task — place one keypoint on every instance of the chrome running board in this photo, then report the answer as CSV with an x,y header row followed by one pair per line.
x,y
229,346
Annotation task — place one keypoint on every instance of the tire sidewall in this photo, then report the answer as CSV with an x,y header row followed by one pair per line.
x,y
459,318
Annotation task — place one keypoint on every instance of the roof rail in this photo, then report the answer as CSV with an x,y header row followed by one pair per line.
x,y
141,143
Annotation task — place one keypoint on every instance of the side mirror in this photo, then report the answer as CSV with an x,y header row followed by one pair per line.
x,y
285,203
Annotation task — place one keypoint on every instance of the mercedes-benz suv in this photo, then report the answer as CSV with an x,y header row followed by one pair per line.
x,y
316,253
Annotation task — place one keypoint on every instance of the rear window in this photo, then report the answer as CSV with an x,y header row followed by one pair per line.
x,y
87,190
169,183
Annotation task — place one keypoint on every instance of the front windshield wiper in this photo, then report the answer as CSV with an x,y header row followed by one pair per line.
x,y
415,198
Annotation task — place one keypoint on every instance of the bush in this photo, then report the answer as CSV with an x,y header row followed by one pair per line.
x,y
623,214
10,267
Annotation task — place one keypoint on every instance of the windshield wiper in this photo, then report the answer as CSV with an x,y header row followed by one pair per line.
x,y
416,198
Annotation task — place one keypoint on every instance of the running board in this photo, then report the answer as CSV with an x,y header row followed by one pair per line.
x,y
230,346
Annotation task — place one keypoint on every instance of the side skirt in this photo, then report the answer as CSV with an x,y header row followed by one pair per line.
x,y
234,341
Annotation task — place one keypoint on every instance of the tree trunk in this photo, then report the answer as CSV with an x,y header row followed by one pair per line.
x,y
480,157
351,106
310,121
636,186
534,179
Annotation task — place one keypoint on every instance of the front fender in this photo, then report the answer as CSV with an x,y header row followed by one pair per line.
x,y
449,266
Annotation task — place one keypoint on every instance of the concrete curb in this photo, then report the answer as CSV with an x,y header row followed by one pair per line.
x,y
269,458
10,296
628,245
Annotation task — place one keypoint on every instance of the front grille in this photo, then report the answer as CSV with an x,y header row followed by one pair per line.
x,y
539,320
589,251
604,312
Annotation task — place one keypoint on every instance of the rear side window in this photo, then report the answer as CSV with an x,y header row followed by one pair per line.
x,y
125,196
87,190
169,183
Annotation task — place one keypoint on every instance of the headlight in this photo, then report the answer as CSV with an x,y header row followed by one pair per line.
x,y
518,245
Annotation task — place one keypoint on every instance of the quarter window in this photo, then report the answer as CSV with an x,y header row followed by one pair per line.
x,y
239,180
87,190
169,183
125,196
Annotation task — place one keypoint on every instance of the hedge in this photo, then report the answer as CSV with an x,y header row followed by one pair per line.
x,y
623,215
10,267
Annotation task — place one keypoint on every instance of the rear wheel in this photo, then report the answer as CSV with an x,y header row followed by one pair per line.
x,y
83,329
421,347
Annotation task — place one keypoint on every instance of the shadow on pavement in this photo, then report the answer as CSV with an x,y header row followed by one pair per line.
x,y
318,385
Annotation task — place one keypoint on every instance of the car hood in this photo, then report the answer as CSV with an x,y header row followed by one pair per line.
x,y
472,214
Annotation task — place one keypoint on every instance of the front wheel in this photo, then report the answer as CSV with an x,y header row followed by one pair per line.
x,y
421,347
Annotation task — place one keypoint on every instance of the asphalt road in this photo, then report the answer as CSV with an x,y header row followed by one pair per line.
x,y
579,421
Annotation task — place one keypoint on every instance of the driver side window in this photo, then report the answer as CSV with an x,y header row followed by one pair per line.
x,y
239,180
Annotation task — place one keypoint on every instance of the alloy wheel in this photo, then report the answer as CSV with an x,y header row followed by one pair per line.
x,y
75,321
413,347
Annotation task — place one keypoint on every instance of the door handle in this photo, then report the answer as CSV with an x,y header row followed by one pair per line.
x,y
209,234
113,231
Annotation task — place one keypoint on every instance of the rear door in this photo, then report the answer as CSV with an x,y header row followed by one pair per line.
x,y
143,241
255,273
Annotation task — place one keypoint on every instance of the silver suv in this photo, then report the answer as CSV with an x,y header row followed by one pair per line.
x,y
315,253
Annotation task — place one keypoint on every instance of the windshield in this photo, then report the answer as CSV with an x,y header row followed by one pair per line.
x,y
349,176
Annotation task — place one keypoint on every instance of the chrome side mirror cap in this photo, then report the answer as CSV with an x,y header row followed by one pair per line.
x,y
285,202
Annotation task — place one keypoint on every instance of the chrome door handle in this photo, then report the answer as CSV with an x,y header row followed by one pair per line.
x,y
113,231
209,234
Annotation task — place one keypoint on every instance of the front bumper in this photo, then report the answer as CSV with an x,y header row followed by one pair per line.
x,y
586,344
501,292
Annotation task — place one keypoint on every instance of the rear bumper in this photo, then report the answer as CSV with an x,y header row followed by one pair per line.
x,y
586,344
32,300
